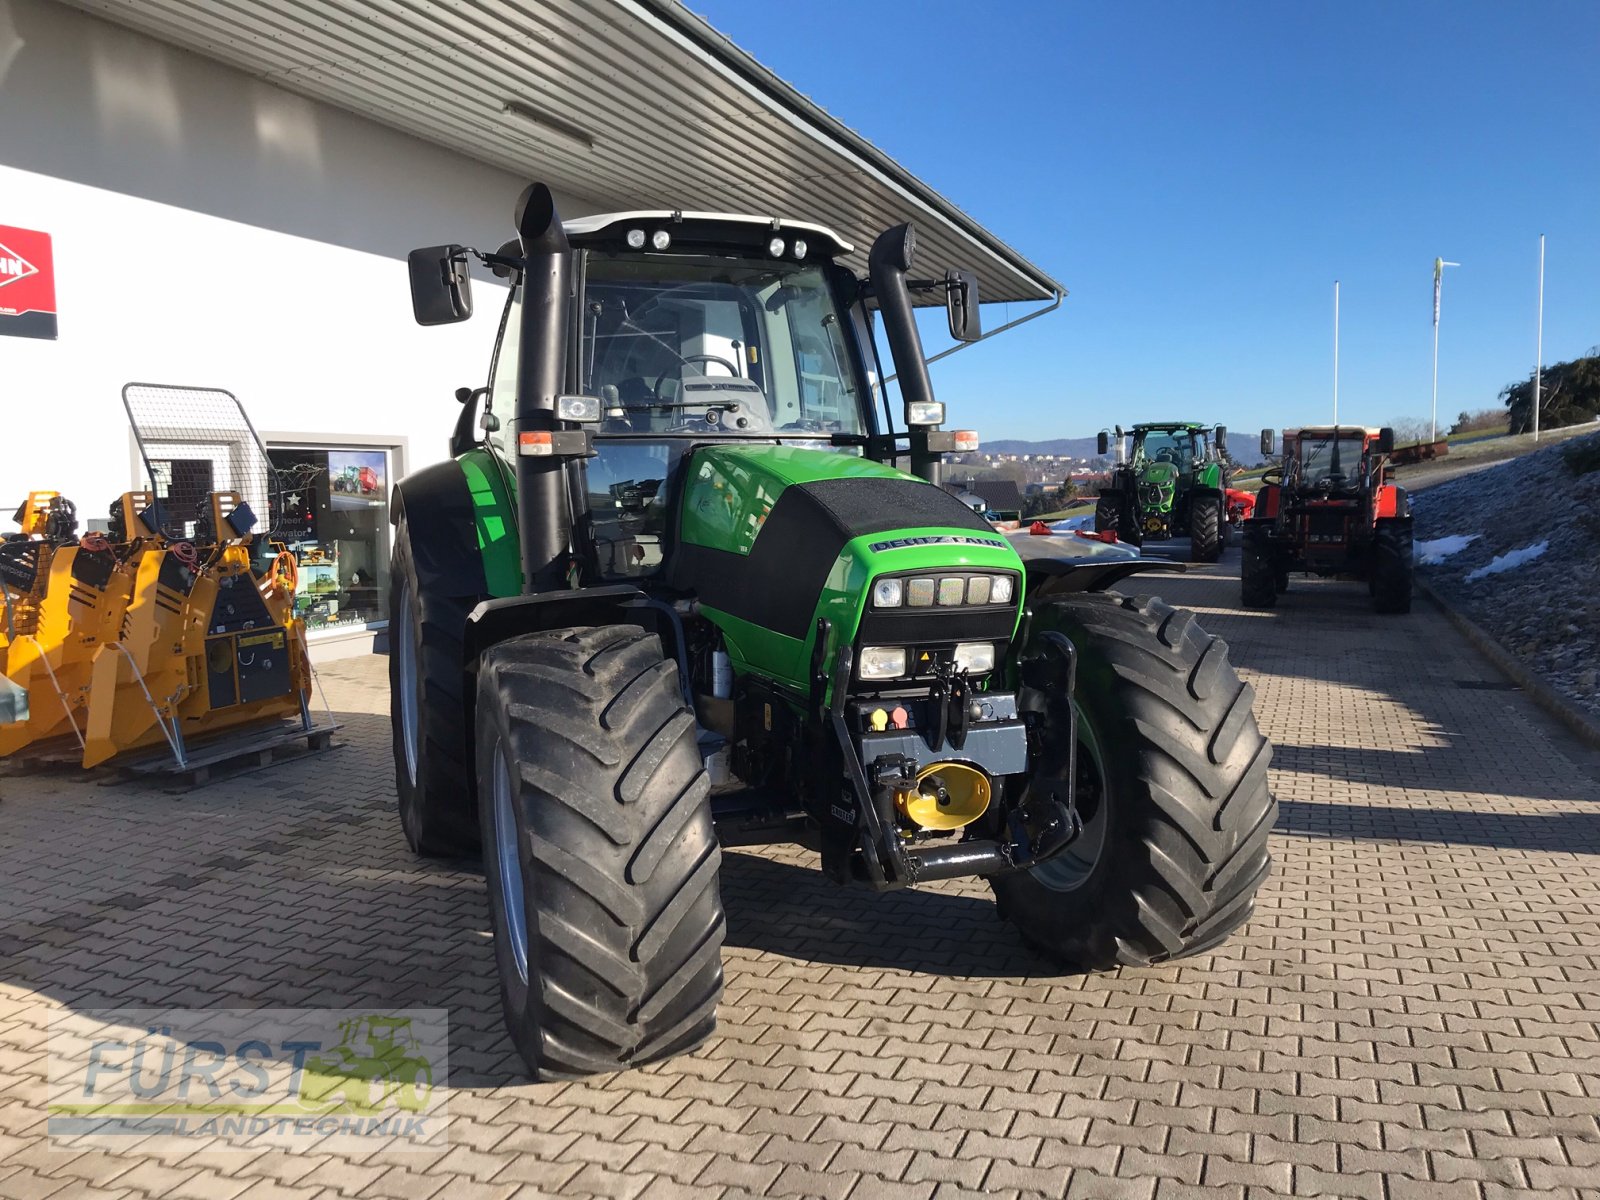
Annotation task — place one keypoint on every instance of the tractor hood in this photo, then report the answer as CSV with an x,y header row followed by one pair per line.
x,y
773,539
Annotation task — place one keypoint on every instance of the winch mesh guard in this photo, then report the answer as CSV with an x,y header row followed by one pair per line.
x,y
195,441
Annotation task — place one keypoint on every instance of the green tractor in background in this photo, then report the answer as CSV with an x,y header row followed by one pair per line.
x,y
1173,483
673,592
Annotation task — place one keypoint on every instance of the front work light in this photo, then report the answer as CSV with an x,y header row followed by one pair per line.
x,y
578,408
882,662
924,412
775,247
660,239
1001,590
635,239
888,593
975,657
799,247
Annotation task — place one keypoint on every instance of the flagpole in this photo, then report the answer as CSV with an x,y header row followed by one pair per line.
x,y
1538,354
1336,354
1439,265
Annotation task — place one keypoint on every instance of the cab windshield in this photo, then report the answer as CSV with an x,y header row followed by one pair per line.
x,y
685,350
1316,456
728,347
1175,448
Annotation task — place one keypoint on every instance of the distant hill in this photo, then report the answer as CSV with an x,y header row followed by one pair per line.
x,y
1083,447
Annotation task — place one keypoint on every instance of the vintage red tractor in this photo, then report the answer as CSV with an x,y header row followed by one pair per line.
x,y
1331,509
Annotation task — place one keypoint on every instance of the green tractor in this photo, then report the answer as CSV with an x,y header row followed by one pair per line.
x,y
1173,483
673,593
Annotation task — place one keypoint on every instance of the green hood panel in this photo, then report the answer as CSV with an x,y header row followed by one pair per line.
x,y
774,538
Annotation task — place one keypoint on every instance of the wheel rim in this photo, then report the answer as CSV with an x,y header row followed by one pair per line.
x,y
1069,870
406,660
508,864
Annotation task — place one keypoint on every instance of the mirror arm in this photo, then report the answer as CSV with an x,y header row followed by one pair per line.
x,y
1061,295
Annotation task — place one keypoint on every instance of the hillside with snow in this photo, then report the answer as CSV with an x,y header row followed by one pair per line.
x,y
1516,547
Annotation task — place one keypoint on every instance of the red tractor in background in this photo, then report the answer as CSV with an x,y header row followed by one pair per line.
x,y
1331,509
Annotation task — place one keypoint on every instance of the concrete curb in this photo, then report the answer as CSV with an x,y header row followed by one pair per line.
x,y
1580,723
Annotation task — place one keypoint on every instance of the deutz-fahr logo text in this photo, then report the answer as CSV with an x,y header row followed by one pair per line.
x,y
941,539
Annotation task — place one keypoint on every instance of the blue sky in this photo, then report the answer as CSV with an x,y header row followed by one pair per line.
x,y
1199,174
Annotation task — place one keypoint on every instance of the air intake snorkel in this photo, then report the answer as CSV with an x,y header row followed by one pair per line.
x,y
541,377
887,264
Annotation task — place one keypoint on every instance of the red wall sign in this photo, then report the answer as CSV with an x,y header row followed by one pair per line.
x,y
27,284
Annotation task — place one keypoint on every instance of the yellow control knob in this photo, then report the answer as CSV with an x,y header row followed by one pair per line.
x,y
879,720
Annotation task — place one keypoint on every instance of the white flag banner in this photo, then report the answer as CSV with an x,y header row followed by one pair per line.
x,y
1438,276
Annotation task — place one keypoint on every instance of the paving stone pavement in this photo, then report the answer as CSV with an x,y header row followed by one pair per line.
x,y
1413,1011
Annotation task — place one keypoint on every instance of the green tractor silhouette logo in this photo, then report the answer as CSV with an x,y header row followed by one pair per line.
x,y
376,1063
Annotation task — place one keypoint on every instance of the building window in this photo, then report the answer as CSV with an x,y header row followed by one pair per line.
x,y
335,517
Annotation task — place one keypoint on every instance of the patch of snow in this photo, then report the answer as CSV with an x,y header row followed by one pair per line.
x,y
1510,560
1432,553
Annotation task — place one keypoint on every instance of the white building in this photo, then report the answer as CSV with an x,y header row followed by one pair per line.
x,y
230,192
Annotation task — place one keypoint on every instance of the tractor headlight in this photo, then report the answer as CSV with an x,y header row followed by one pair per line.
x,y
919,593
775,247
975,657
888,593
882,662
635,239
979,588
660,240
1001,591
952,591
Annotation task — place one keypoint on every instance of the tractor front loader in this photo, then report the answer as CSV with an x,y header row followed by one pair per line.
x,y
672,590
1173,483
1331,509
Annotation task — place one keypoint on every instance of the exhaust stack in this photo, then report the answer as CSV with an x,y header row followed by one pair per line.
x,y
541,377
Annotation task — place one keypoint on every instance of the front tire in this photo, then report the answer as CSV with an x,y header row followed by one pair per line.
x,y
1172,785
599,852
1258,580
1391,566
427,711
1205,529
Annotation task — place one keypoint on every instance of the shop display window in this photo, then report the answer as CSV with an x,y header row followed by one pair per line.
x,y
334,515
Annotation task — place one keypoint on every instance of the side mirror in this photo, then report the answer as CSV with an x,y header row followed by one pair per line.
x,y
961,305
1386,440
1221,438
441,285
1102,445
1269,441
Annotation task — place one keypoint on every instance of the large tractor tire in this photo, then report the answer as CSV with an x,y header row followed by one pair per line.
x,y
427,711
1115,510
1205,527
599,852
1258,580
1391,566
1171,786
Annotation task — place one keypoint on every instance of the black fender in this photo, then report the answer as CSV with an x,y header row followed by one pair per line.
x,y
437,506
495,621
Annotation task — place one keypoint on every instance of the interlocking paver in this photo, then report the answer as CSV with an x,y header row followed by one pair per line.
x,y
1413,1011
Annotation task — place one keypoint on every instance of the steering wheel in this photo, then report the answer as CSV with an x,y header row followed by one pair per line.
x,y
689,360
1168,456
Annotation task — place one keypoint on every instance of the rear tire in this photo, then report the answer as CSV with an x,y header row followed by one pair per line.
x,y
1172,783
1205,528
599,852
1391,566
427,711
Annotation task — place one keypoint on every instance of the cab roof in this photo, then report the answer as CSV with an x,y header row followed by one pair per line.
x,y
701,228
